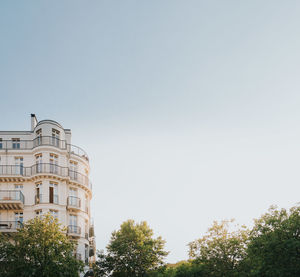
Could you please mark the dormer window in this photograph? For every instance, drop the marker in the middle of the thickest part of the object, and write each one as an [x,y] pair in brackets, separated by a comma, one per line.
[38,136]
[15,143]
[55,137]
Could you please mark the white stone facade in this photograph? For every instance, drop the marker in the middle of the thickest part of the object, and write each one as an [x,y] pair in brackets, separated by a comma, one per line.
[41,172]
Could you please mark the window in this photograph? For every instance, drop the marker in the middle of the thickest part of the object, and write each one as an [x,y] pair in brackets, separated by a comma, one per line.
[38,137]
[73,199]
[86,253]
[73,170]
[53,196]
[19,165]
[55,137]
[18,219]
[54,213]
[18,189]
[15,143]
[86,204]
[39,163]
[73,220]
[38,193]
[1,144]
[53,163]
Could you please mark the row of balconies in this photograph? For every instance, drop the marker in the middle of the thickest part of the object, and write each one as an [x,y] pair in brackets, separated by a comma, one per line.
[16,144]
[15,200]
[72,230]
[44,168]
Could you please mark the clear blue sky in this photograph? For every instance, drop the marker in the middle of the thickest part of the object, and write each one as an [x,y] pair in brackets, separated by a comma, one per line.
[189,110]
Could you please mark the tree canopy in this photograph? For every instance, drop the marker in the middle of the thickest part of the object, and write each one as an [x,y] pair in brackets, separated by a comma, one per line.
[220,250]
[274,247]
[131,252]
[40,249]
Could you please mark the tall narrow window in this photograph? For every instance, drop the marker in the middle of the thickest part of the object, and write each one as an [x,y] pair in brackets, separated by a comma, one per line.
[53,196]
[18,219]
[38,137]
[39,163]
[19,165]
[55,137]
[18,190]
[86,204]
[73,224]
[15,143]
[53,163]
[38,193]
[73,170]
[1,144]
[86,254]
[73,199]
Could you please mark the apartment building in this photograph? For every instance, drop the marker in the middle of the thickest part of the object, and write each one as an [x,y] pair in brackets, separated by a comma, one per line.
[40,172]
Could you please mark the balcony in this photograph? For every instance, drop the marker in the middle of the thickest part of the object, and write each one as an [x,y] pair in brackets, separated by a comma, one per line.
[11,200]
[42,169]
[44,141]
[42,199]
[74,230]
[73,203]
[10,226]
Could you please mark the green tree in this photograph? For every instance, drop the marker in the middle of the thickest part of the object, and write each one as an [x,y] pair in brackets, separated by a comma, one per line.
[220,252]
[274,247]
[131,252]
[39,249]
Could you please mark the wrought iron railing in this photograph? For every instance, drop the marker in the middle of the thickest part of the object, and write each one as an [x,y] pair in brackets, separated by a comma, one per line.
[43,141]
[11,195]
[74,229]
[41,199]
[10,225]
[74,201]
[41,168]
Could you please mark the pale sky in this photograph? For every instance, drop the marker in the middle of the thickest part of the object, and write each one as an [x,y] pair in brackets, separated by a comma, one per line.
[189,110]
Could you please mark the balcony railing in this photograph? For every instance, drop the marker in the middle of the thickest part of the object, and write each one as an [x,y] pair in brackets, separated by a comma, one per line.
[11,195]
[11,200]
[42,168]
[74,229]
[10,225]
[43,141]
[41,199]
[74,202]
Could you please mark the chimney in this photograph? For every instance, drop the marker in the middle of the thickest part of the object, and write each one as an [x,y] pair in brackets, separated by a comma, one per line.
[33,121]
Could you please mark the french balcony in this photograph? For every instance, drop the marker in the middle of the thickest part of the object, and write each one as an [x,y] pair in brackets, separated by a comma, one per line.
[74,230]
[43,141]
[42,199]
[11,200]
[10,226]
[73,203]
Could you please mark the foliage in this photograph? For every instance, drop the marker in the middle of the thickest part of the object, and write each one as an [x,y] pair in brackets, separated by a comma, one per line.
[39,249]
[274,248]
[221,251]
[132,251]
